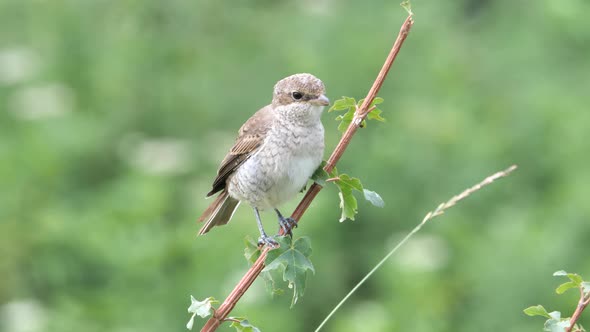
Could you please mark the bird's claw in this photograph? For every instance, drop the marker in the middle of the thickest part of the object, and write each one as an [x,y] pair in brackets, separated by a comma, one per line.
[287,225]
[268,241]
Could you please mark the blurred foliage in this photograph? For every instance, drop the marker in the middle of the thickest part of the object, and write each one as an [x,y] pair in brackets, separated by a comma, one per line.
[555,321]
[115,114]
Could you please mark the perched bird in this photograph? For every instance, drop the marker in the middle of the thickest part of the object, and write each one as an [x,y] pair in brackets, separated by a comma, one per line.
[276,152]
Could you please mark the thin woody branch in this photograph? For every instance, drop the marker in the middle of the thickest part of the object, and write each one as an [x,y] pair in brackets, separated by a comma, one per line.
[582,304]
[361,113]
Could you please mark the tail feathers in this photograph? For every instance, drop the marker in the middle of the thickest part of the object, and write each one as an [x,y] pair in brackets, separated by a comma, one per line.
[219,212]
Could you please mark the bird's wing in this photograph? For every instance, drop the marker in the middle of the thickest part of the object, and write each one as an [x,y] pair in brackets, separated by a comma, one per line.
[250,138]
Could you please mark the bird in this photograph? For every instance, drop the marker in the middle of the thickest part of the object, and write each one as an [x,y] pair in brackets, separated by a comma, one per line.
[275,153]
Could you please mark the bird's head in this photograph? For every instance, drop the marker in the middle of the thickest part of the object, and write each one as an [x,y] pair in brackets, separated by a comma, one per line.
[301,96]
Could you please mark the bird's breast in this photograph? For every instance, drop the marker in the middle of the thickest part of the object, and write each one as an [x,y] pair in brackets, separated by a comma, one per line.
[301,151]
[281,167]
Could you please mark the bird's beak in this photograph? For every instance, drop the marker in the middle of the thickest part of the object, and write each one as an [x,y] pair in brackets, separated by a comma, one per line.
[321,101]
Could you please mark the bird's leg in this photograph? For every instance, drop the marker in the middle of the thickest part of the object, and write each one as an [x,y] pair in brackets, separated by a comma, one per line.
[287,224]
[264,239]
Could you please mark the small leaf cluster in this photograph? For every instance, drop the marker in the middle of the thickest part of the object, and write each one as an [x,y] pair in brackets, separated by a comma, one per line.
[407,6]
[291,260]
[554,322]
[346,186]
[242,325]
[201,308]
[204,308]
[252,252]
[350,105]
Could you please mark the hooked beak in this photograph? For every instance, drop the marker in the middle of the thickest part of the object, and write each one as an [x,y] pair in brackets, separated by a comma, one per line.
[321,101]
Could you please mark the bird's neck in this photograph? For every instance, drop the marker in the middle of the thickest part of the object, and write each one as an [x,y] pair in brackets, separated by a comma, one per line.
[304,115]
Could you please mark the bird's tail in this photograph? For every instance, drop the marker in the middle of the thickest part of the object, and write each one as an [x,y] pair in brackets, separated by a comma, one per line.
[219,212]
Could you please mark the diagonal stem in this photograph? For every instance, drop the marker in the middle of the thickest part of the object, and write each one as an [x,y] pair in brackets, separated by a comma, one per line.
[582,304]
[232,299]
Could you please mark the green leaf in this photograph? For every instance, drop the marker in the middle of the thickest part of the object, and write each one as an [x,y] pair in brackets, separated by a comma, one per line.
[537,310]
[200,308]
[351,101]
[343,104]
[374,198]
[271,285]
[555,323]
[574,277]
[345,120]
[348,104]
[377,101]
[303,245]
[586,287]
[346,180]
[348,204]
[565,286]
[243,325]
[407,6]
[293,260]
[375,115]
[320,176]
[555,315]
[251,252]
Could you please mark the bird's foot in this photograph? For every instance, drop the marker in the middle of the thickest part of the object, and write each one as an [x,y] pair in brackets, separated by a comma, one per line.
[265,240]
[287,225]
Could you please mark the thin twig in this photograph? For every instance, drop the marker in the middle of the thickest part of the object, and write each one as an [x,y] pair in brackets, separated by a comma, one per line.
[429,216]
[582,304]
[251,275]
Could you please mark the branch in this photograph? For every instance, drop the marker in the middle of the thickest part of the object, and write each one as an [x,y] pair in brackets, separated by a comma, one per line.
[361,113]
[582,304]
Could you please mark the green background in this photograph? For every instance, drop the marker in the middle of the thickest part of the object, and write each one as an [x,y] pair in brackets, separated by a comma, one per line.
[115,114]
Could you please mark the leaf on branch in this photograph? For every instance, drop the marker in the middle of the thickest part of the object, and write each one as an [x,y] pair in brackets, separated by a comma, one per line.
[242,325]
[576,281]
[251,252]
[407,6]
[575,278]
[342,104]
[346,181]
[200,308]
[348,203]
[374,198]
[537,310]
[350,105]
[555,323]
[565,286]
[375,115]
[292,258]
[345,119]
[320,175]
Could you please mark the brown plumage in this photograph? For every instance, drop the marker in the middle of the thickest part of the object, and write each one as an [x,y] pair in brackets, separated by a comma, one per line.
[274,155]
[250,137]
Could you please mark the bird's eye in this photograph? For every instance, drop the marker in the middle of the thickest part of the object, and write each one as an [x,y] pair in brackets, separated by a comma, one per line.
[297,95]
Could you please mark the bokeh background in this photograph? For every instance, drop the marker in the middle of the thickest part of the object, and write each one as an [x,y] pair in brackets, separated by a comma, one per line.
[115,114]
